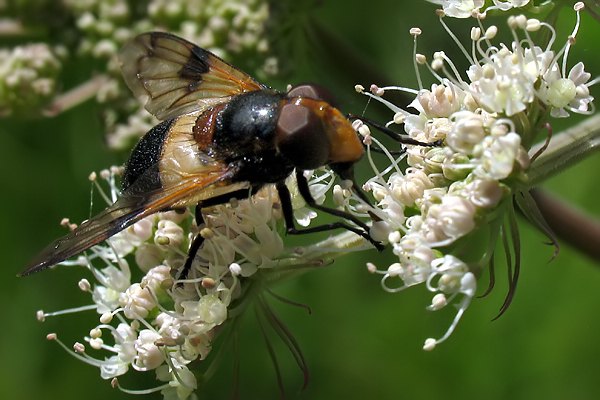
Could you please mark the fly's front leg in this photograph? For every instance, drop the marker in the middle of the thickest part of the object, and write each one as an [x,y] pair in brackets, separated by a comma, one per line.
[288,215]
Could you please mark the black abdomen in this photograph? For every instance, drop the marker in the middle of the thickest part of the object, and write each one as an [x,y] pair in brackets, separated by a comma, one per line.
[144,158]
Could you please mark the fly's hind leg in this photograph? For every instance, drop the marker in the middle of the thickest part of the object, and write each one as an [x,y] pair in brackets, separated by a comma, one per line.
[195,246]
[198,239]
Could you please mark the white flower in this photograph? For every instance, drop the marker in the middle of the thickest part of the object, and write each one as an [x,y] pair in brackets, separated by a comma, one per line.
[498,156]
[459,8]
[502,84]
[582,101]
[468,130]
[149,355]
[27,77]
[113,282]
[125,242]
[319,183]
[450,220]
[168,326]
[415,256]
[156,276]
[421,128]
[393,211]
[410,187]
[106,299]
[508,4]
[182,382]
[168,233]
[441,102]
[148,255]
[470,8]
[137,301]
[113,366]
[484,193]
[118,364]
[205,313]
[196,346]
[449,190]
[304,215]
[449,272]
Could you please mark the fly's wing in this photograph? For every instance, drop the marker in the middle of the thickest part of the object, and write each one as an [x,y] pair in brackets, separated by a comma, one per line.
[133,205]
[177,76]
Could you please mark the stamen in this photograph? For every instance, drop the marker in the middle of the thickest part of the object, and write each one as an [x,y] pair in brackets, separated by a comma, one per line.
[115,384]
[68,311]
[456,41]
[235,269]
[577,7]
[475,37]
[491,32]
[387,103]
[371,268]
[100,191]
[393,161]
[415,32]
[84,285]
[376,90]
[433,67]
[106,318]
[401,89]
[593,82]
[391,289]
[79,353]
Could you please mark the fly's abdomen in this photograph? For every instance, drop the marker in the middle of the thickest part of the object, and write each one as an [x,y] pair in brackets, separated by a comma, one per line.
[144,158]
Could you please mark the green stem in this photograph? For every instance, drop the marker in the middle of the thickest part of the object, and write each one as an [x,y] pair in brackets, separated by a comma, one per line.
[318,255]
[565,149]
[75,96]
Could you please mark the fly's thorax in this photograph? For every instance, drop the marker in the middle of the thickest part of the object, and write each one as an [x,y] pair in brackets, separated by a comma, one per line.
[246,125]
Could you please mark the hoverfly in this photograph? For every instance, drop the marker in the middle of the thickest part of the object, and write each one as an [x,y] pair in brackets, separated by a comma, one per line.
[223,135]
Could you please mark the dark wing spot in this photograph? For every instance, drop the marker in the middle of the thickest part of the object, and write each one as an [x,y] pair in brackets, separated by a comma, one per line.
[196,66]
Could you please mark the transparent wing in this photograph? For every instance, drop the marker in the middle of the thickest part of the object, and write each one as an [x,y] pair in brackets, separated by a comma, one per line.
[179,77]
[134,204]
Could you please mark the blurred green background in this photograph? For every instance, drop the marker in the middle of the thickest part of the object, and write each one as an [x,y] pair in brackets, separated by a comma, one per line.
[359,342]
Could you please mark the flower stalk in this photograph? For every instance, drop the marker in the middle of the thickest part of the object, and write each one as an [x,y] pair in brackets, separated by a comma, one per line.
[565,149]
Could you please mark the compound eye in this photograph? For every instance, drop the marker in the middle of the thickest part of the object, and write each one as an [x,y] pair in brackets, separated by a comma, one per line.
[301,137]
[312,91]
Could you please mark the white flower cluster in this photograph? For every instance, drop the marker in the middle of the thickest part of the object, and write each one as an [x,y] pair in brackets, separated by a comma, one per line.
[451,191]
[28,76]
[223,26]
[472,8]
[158,323]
